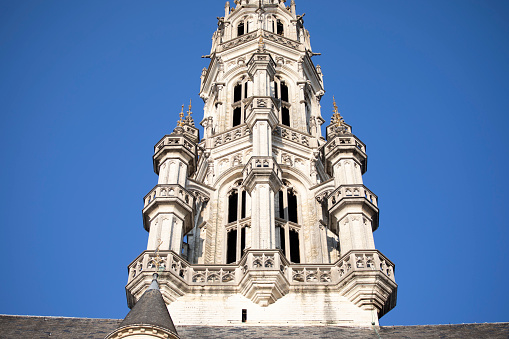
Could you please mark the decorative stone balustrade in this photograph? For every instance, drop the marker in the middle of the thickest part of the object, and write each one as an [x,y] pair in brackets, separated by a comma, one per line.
[262,260]
[168,192]
[281,39]
[263,276]
[262,163]
[173,140]
[292,135]
[239,40]
[351,192]
[345,141]
[254,35]
[231,135]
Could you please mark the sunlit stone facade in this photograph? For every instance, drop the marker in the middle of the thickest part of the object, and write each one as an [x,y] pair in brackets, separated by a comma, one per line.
[263,221]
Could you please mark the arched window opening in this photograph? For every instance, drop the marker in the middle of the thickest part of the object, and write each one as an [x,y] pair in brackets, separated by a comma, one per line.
[242,241]
[243,205]
[281,205]
[240,92]
[292,206]
[285,116]
[294,246]
[240,29]
[231,252]
[237,93]
[282,238]
[236,228]
[287,228]
[280,28]
[284,92]
[276,92]
[233,199]
[237,116]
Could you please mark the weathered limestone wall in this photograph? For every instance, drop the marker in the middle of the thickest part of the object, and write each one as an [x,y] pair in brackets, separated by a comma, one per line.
[293,309]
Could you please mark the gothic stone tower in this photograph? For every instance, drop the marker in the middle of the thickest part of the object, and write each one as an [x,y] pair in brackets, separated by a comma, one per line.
[263,221]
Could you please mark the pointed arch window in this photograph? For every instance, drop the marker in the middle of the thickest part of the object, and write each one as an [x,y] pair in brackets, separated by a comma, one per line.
[236,227]
[281,92]
[240,92]
[280,28]
[288,229]
[241,29]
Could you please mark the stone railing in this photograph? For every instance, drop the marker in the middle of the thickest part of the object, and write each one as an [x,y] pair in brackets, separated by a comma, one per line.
[239,40]
[346,140]
[231,135]
[173,140]
[161,192]
[292,135]
[264,260]
[351,191]
[265,163]
[281,39]
[353,261]
[168,262]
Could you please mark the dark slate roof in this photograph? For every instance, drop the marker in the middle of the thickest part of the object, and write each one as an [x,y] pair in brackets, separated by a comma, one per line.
[150,310]
[16,327]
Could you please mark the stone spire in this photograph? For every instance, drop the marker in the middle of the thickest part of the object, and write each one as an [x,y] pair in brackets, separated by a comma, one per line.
[149,317]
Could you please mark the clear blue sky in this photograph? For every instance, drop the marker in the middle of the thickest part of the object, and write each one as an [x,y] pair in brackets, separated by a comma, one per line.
[88,87]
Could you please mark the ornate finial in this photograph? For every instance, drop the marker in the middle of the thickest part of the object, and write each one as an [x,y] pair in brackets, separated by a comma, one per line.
[337,119]
[189,112]
[180,123]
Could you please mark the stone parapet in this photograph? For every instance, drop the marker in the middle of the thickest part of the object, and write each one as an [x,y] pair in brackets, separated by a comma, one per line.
[346,145]
[365,277]
[178,146]
[353,194]
[168,198]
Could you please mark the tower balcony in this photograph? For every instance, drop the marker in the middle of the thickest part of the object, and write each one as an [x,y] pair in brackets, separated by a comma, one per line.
[169,199]
[349,144]
[262,170]
[177,146]
[262,108]
[365,277]
[354,194]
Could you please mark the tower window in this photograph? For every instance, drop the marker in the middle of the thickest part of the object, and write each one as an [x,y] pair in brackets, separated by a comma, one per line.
[292,206]
[232,206]
[237,116]
[240,92]
[280,28]
[242,240]
[240,29]
[236,234]
[244,315]
[288,231]
[281,206]
[237,93]
[284,92]
[294,247]
[282,237]
[243,205]
[231,253]
[285,116]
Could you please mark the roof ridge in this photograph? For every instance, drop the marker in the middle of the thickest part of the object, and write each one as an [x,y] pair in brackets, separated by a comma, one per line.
[53,317]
